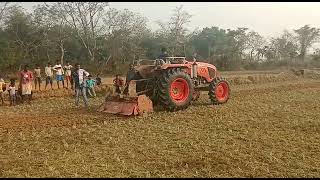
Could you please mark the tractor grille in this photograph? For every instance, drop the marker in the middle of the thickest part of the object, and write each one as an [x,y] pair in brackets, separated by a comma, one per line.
[212,72]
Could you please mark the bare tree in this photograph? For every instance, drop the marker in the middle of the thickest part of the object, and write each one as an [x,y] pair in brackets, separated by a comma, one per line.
[124,33]
[285,46]
[239,41]
[306,36]
[25,36]
[85,18]
[175,29]
[255,42]
[54,27]
[3,8]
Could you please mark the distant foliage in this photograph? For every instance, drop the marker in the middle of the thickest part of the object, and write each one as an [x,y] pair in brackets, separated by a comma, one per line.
[106,40]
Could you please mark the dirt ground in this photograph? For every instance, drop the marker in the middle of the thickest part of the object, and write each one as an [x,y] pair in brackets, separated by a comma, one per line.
[268,129]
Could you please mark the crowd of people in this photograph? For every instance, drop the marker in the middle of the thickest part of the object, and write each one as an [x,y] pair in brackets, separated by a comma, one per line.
[75,78]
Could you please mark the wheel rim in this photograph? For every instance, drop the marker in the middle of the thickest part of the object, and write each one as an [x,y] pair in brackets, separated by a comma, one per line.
[222,91]
[179,90]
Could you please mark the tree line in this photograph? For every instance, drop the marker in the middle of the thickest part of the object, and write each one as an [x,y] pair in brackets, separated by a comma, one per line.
[106,39]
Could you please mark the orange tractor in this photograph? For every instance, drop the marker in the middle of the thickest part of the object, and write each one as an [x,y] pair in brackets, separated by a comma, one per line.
[171,83]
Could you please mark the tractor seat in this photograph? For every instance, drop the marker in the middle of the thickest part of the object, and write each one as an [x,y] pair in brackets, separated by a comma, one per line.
[177,61]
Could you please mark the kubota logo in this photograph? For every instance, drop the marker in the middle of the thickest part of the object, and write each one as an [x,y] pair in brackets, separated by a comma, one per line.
[202,70]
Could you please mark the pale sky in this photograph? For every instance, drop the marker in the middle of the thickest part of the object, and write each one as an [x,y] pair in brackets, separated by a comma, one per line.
[267,18]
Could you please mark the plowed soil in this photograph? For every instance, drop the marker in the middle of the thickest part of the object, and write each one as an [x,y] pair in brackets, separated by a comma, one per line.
[266,129]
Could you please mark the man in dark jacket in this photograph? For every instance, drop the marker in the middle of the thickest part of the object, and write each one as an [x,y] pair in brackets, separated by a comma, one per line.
[78,76]
[163,54]
[130,76]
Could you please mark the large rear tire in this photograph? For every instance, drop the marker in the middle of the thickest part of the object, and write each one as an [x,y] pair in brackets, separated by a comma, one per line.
[219,91]
[148,85]
[174,89]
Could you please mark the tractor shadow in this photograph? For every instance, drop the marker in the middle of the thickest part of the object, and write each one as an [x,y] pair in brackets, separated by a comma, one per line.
[159,108]
[200,103]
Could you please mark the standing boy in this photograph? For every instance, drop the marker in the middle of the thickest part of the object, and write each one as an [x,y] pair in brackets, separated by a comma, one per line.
[90,86]
[98,80]
[37,73]
[118,83]
[130,76]
[59,74]
[67,69]
[49,74]
[12,92]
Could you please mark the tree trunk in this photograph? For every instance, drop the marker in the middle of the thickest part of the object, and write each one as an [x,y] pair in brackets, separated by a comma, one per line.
[134,57]
[106,63]
[303,54]
[38,55]
[62,53]
[32,56]
[48,56]
[251,55]
[258,56]
[91,54]
[209,51]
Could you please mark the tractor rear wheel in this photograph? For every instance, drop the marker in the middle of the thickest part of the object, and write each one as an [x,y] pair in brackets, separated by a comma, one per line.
[219,91]
[174,89]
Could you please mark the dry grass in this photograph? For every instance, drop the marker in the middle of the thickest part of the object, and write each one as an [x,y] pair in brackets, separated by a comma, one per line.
[261,78]
[265,130]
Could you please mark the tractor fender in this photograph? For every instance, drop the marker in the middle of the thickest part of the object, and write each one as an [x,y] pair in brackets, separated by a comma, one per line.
[183,66]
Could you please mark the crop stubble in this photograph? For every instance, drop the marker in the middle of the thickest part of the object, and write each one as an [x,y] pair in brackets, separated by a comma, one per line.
[265,130]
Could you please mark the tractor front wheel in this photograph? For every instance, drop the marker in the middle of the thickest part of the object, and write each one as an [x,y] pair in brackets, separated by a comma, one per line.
[219,91]
[175,89]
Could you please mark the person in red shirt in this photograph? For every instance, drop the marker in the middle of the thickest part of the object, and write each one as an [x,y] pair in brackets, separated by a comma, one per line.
[118,83]
[26,78]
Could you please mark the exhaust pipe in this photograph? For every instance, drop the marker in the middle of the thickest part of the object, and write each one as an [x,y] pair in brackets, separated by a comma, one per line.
[194,70]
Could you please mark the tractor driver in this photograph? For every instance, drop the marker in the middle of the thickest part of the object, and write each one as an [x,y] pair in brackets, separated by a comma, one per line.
[163,54]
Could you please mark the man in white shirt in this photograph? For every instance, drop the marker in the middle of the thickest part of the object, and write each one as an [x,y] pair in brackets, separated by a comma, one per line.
[49,73]
[68,68]
[80,84]
[59,73]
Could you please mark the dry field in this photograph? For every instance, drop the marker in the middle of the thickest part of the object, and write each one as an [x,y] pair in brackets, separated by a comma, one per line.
[270,127]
